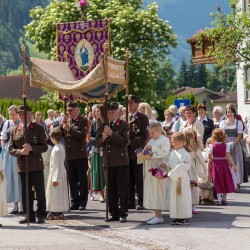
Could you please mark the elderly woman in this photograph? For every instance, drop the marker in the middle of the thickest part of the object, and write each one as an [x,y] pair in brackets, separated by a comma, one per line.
[234,131]
[51,118]
[218,116]
[168,123]
[182,118]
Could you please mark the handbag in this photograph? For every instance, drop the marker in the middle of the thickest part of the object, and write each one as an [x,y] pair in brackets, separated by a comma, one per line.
[206,185]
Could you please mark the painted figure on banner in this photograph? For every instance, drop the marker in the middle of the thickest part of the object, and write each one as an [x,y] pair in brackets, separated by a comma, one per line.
[84,55]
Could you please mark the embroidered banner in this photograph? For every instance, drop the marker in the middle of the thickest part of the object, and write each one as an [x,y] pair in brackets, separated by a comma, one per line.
[83,42]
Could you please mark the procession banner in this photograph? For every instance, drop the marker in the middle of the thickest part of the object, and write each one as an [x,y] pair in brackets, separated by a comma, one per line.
[83,43]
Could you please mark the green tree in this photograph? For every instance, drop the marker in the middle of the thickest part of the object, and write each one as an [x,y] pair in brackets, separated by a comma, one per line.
[141,31]
[201,76]
[192,75]
[165,79]
[182,77]
[228,35]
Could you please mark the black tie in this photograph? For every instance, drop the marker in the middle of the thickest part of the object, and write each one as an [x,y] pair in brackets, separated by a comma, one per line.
[131,117]
[111,124]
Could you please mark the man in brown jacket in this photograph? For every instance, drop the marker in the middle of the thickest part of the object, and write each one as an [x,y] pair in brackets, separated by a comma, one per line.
[75,129]
[138,123]
[33,149]
[116,160]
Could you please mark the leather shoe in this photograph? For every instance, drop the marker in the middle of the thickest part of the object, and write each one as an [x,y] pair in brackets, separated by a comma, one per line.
[81,208]
[123,219]
[24,221]
[74,207]
[112,218]
[140,207]
[40,220]
[131,206]
[13,212]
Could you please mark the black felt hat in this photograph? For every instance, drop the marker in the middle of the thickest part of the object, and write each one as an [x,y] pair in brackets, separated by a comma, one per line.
[72,105]
[22,108]
[133,98]
[113,106]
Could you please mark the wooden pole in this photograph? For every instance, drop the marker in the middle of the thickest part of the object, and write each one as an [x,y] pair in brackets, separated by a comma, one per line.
[25,133]
[106,48]
[127,81]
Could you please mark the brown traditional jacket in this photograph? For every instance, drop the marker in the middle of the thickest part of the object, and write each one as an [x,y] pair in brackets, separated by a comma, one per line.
[138,133]
[75,139]
[116,144]
[36,137]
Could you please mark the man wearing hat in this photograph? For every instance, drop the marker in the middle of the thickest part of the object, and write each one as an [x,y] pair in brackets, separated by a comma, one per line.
[138,123]
[115,137]
[32,149]
[75,129]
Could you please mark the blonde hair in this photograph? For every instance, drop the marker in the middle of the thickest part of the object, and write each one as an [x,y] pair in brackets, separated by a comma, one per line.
[191,143]
[169,112]
[148,109]
[157,126]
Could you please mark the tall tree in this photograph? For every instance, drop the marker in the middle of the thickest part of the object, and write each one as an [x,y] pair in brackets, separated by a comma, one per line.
[201,76]
[165,79]
[228,35]
[192,74]
[182,77]
[139,30]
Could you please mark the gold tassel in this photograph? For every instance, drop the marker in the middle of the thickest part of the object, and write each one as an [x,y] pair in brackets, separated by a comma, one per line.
[178,189]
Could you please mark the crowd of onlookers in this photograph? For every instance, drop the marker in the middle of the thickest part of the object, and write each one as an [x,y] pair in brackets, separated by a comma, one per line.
[187,149]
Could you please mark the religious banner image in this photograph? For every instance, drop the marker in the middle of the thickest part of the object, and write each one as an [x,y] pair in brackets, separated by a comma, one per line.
[83,43]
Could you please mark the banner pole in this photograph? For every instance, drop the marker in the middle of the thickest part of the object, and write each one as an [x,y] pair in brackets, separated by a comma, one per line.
[25,132]
[127,81]
[106,49]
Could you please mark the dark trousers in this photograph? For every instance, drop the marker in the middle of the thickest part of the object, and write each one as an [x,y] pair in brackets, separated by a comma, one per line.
[78,181]
[135,180]
[36,180]
[118,190]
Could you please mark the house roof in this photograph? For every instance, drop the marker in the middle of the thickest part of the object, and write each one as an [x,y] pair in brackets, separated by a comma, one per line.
[228,97]
[12,87]
[195,91]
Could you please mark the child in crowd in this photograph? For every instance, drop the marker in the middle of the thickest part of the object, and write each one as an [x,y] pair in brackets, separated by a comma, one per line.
[56,192]
[3,202]
[155,190]
[198,167]
[218,167]
[180,191]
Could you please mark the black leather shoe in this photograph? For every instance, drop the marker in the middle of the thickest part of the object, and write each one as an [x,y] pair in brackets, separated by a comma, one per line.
[13,212]
[140,207]
[123,219]
[131,206]
[74,207]
[40,220]
[81,208]
[112,218]
[24,221]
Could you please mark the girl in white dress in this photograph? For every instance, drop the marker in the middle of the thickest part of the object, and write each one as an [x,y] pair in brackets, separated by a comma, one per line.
[56,192]
[180,192]
[155,190]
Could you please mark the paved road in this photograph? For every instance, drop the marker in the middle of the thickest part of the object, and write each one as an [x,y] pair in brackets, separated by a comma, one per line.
[216,227]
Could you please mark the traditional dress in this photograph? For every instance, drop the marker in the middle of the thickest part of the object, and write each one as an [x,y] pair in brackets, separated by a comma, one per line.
[155,190]
[221,175]
[180,191]
[3,203]
[237,152]
[57,196]
[97,172]
[13,182]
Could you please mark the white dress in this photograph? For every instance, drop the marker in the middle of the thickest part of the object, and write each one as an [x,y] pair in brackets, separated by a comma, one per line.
[3,202]
[155,190]
[57,197]
[180,206]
